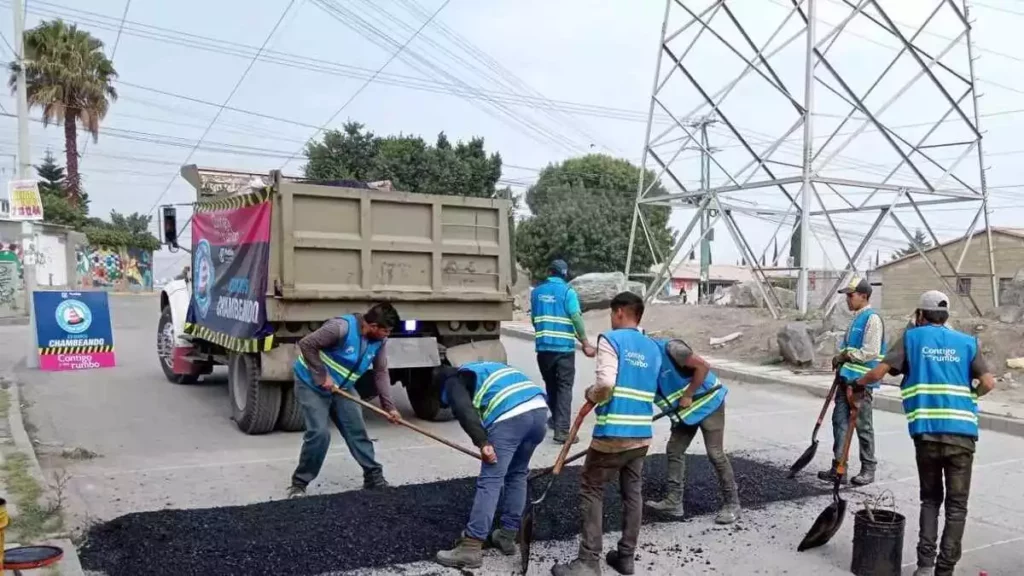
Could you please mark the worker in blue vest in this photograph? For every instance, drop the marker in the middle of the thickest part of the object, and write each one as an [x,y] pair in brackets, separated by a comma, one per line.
[861,350]
[685,375]
[504,413]
[558,325]
[337,355]
[940,399]
[628,364]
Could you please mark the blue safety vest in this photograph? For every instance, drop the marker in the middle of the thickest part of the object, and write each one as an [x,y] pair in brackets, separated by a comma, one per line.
[499,388]
[937,393]
[627,414]
[672,383]
[552,326]
[346,362]
[853,340]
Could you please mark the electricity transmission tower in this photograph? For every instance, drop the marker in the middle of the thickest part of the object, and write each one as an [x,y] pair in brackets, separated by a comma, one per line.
[868,106]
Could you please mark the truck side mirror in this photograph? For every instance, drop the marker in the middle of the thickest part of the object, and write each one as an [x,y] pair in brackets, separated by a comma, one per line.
[170,221]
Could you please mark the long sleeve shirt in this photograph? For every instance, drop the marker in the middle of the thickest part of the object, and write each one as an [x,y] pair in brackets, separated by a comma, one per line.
[332,334]
[572,309]
[871,346]
[604,383]
[461,388]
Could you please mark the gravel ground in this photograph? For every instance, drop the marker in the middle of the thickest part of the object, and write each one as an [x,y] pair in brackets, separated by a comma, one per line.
[354,530]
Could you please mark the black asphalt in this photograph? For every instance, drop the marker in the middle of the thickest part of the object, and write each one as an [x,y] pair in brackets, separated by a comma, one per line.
[359,529]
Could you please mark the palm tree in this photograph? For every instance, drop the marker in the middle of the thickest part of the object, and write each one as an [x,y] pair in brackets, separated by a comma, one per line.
[69,77]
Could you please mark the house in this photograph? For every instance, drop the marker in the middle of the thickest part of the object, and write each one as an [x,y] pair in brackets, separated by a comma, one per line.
[685,280]
[906,278]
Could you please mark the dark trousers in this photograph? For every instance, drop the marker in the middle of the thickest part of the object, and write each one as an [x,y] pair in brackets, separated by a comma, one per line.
[936,462]
[559,372]
[317,412]
[712,429]
[599,469]
[865,428]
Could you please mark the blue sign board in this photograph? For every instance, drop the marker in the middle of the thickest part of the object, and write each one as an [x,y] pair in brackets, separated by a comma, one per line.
[74,330]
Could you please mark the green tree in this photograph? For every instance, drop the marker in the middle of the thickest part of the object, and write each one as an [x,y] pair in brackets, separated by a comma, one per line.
[409,162]
[582,211]
[131,231]
[69,77]
[56,207]
[920,238]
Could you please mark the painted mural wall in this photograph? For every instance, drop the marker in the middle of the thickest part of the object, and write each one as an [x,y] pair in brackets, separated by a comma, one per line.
[113,268]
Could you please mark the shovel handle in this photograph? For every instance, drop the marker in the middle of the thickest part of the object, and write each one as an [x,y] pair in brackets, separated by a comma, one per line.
[824,408]
[560,462]
[841,465]
[408,425]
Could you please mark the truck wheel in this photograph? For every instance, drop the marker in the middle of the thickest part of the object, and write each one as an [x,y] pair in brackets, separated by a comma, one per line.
[425,397]
[165,349]
[255,405]
[290,419]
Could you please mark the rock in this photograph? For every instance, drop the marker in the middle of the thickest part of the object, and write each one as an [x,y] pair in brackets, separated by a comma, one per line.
[748,295]
[1015,363]
[1010,314]
[827,343]
[597,289]
[795,344]
[719,342]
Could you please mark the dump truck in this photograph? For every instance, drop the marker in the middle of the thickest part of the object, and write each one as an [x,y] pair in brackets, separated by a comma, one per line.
[273,258]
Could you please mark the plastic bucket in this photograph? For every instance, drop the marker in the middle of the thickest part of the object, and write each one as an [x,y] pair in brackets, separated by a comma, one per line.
[878,544]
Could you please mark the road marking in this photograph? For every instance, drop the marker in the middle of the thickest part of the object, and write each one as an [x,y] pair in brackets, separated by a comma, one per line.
[978,548]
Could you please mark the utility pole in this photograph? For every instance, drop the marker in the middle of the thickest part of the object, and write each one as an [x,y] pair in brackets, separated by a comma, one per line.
[28,264]
[806,189]
[707,236]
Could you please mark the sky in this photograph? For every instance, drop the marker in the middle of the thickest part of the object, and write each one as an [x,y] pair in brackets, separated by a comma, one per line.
[541,82]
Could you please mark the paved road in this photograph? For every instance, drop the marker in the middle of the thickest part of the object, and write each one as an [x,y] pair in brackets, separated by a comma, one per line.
[161,445]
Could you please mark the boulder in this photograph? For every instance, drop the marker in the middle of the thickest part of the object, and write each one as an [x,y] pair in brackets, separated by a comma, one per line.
[795,344]
[1009,314]
[748,295]
[597,289]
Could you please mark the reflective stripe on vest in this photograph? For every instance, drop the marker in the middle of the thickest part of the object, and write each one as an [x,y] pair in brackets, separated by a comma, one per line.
[627,414]
[853,340]
[937,393]
[553,328]
[672,385]
[499,388]
[344,363]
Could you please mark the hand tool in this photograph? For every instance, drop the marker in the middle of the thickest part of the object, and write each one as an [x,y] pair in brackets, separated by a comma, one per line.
[811,450]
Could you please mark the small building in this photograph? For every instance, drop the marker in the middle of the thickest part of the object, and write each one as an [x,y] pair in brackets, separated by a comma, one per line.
[906,278]
[685,282]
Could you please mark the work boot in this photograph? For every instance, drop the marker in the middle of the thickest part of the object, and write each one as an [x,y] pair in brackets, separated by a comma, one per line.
[577,567]
[671,505]
[466,554]
[561,436]
[730,511]
[375,481]
[504,540]
[866,476]
[830,474]
[296,491]
[621,563]
[924,571]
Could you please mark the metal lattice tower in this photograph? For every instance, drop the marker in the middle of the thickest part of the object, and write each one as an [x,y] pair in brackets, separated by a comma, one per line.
[852,109]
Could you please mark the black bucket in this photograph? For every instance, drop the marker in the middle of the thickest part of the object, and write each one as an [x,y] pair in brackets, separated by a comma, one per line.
[877,544]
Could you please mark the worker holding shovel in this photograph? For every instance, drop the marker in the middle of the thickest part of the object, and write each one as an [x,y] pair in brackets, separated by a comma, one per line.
[628,363]
[939,365]
[684,374]
[505,415]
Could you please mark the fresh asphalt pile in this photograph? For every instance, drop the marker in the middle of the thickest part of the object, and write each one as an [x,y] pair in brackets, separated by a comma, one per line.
[360,529]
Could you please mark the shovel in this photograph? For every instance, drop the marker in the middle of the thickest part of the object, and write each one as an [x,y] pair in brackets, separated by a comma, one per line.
[811,450]
[831,518]
[525,535]
[409,425]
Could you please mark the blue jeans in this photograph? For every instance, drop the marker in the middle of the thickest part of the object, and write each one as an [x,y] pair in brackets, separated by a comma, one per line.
[317,411]
[514,441]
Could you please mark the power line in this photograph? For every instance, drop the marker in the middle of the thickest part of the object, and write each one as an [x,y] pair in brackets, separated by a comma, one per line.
[120,27]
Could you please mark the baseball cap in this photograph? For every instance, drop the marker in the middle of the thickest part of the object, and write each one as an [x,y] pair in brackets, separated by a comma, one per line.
[559,266]
[933,301]
[857,285]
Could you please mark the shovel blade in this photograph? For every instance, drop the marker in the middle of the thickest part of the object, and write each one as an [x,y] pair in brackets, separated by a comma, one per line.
[804,459]
[825,526]
[525,537]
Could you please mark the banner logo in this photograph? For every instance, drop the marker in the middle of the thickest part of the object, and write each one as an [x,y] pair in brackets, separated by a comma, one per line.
[73,316]
[202,263]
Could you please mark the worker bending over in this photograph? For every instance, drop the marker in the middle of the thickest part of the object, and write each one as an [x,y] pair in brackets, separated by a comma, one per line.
[337,355]
[628,363]
[685,375]
[861,350]
[504,414]
[939,365]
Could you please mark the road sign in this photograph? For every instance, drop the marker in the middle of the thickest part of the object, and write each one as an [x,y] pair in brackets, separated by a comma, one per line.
[74,330]
[25,202]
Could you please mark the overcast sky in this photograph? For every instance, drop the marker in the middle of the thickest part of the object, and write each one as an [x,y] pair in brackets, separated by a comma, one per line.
[541,81]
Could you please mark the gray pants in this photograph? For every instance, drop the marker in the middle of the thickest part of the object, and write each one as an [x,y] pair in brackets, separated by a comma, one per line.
[712,429]
[317,412]
[937,462]
[864,426]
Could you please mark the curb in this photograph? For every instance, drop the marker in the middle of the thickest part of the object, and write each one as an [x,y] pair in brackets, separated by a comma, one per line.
[986,421]
[14,321]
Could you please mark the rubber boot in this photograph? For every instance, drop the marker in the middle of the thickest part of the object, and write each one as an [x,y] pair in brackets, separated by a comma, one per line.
[577,568]
[504,540]
[622,564]
[466,554]
[830,474]
[866,476]
[730,511]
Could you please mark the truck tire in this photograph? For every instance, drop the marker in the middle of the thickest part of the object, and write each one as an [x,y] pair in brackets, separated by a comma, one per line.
[425,397]
[255,405]
[290,419]
[165,349]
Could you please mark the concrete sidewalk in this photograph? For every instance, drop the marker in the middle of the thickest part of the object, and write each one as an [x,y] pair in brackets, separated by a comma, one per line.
[992,415]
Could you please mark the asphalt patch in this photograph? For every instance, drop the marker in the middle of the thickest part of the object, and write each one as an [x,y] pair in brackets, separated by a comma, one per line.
[361,529]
